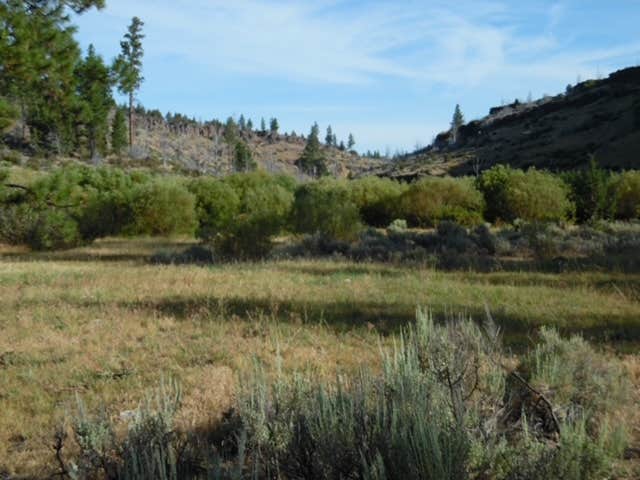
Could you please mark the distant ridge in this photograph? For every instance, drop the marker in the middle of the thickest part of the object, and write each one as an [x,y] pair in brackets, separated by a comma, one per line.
[595,117]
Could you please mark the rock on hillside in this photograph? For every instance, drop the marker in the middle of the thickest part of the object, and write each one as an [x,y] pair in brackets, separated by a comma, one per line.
[595,117]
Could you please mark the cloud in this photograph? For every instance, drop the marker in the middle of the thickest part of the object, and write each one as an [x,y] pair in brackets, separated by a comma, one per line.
[346,43]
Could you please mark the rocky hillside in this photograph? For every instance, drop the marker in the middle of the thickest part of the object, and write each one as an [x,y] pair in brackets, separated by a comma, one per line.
[182,145]
[595,117]
[189,146]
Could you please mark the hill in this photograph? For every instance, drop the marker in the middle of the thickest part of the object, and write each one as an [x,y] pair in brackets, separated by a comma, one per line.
[183,145]
[595,117]
[187,145]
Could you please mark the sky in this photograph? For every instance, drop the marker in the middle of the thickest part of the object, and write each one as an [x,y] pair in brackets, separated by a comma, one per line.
[388,71]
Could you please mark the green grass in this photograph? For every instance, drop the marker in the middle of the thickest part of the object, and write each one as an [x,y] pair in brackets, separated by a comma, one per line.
[103,322]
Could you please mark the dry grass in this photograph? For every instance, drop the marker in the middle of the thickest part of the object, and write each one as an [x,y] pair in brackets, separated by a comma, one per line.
[103,323]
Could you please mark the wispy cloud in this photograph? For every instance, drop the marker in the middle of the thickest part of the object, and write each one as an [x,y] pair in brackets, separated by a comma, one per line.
[317,41]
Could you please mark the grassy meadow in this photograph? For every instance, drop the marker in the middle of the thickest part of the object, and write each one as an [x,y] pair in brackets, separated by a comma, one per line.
[104,324]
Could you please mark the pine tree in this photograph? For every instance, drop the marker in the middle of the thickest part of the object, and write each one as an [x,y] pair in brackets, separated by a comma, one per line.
[274,126]
[329,137]
[243,158]
[242,123]
[230,131]
[94,90]
[351,142]
[313,162]
[38,55]
[128,67]
[250,125]
[456,122]
[119,132]
[342,146]
[263,126]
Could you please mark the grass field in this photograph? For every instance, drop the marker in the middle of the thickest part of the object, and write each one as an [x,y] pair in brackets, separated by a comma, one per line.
[103,323]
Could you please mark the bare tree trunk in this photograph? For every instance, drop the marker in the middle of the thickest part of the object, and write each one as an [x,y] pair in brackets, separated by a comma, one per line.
[131,118]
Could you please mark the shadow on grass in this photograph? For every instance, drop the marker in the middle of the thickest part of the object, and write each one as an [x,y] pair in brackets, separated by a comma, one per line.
[109,250]
[387,318]
[344,269]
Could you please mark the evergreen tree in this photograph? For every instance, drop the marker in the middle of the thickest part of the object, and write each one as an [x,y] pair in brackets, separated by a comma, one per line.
[250,125]
[119,132]
[342,146]
[274,126]
[94,89]
[589,189]
[243,158]
[128,67]
[456,122]
[313,162]
[242,123]
[263,126]
[329,137]
[38,55]
[351,142]
[230,131]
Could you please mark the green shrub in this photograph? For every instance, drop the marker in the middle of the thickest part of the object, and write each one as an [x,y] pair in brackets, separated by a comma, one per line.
[590,193]
[325,207]
[98,199]
[39,229]
[512,194]
[626,192]
[217,206]
[432,200]
[265,204]
[53,230]
[376,199]
[163,207]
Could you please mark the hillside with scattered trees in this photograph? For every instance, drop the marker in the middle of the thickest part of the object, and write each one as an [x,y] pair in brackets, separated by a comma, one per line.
[598,118]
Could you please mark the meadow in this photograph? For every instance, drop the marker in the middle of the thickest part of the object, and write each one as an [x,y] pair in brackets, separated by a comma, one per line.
[103,324]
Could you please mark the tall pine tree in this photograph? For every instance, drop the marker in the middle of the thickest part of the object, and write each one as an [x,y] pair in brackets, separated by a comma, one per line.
[456,122]
[313,162]
[94,89]
[128,67]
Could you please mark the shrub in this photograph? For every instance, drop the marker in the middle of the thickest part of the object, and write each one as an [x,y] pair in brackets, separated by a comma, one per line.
[432,200]
[589,193]
[263,211]
[325,207]
[580,379]
[376,199]
[149,450]
[54,230]
[163,207]
[626,193]
[217,205]
[512,194]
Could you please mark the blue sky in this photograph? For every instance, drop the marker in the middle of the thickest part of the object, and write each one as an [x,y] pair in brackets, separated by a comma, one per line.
[389,71]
